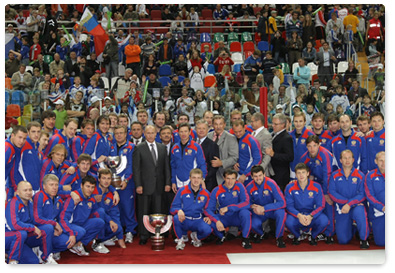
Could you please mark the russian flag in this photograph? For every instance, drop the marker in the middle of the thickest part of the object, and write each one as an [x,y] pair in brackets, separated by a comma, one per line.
[96,30]
[9,43]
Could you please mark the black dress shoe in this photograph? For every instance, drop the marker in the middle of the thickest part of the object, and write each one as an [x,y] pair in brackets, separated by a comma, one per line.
[143,241]
[280,243]
[313,241]
[295,241]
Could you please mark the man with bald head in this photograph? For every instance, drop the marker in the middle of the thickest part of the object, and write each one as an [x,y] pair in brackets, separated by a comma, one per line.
[151,171]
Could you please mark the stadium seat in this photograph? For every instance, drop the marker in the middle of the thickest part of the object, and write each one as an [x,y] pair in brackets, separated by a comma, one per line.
[248,46]
[287,78]
[7,98]
[113,80]
[13,110]
[121,70]
[48,59]
[257,9]
[205,29]
[247,54]
[209,80]
[164,70]
[205,37]
[106,83]
[218,29]
[29,68]
[235,47]
[18,97]
[27,114]
[8,84]
[181,79]
[165,81]
[237,58]
[317,45]
[313,68]
[145,24]
[216,45]
[207,14]
[263,46]
[219,36]
[236,68]
[156,15]
[294,66]
[342,67]
[246,37]
[285,68]
[202,47]
[232,37]
[257,38]
[211,69]
[71,81]
[313,78]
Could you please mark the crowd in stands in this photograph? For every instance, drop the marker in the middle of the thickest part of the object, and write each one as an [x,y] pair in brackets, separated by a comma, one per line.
[176,84]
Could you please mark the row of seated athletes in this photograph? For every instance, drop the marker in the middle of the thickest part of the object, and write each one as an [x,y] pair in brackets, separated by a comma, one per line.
[63,225]
[90,164]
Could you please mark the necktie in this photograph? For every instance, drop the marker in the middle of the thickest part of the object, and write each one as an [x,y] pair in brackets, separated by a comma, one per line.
[137,142]
[253,133]
[216,139]
[153,153]
[273,134]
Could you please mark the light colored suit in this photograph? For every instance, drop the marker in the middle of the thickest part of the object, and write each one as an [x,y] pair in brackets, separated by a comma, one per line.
[265,140]
[228,152]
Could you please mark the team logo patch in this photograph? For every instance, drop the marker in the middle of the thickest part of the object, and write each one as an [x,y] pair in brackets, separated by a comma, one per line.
[323,140]
[243,145]
[189,151]
[107,201]
[382,141]
[266,192]
[302,141]
[311,194]
[317,162]
[90,205]
[234,193]
[57,206]
[354,180]
[201,198]
[353,143]
[125,151]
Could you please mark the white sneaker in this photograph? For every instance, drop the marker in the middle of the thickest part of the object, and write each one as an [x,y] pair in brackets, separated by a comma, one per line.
[184,238]
[100,248]
[110,242]
[56,256]
[129,238]
[13,262]
[50,260]
[195,241]
[79,250]
[180,244]
[38,253]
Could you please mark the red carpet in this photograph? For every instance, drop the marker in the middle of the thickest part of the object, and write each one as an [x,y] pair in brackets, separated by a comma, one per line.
[209,253]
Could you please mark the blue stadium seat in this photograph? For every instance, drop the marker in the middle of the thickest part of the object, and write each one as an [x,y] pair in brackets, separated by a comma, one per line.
[165,81]
[181,79]
[211,69]
[263,46]
[18,97]
[164,70]
[236,68]
[71,81]
[7,98]
[205,37]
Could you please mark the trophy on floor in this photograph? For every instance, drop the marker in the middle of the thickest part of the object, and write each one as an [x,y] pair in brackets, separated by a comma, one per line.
[117,164]
[157,224]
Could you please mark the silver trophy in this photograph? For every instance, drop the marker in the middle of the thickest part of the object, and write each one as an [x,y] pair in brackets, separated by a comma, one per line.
[117,164]
[157,224]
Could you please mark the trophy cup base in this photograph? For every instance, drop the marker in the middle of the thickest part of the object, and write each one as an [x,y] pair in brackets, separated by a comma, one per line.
[157,243]
[116,184]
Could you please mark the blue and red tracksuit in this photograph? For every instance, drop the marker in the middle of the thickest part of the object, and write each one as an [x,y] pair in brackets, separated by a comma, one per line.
[97,146]
[183,161]
[19,217]
[238,203]
[16,248]
[375,194]
[46,211]
[77,146]
[326,138]
[268,195]
[309,201]
[108,212]
[81,219]
[193,207]
[249,155]
[74,180]
[375,142]
[321,168]
[357,146]
[128,195]
[12,159]
[176,137]
[248,129]
[30,164]
[299,145]
[349,190]
[59,138]
[50,167]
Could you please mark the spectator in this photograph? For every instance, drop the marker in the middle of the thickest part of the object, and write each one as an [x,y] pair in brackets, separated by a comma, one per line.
[295,47]
[21,80]
[151,66]
[222,60]
[111,59]
[294,25]
[220,13]
[165,52]
[221,47]
[279,49]
[132,52]
[56,64]
[309,52]
[308,30]
[302,73]
[13,63]
[325,60]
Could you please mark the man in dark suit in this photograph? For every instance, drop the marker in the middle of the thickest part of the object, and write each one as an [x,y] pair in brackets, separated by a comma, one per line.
[151,169]
[282,153]
[210,150]
[166,134]
[325,60]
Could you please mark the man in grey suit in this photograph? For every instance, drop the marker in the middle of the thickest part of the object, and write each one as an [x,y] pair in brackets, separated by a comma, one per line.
[325,60]
[228,147]
[265,140]
[151,170]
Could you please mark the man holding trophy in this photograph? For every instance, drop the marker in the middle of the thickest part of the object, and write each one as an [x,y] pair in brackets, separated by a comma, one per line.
[120,163]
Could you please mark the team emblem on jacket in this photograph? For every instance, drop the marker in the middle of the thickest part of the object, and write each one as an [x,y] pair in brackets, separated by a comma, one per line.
[243,145]
[353,143]
[57,206]
[189,151]
[234,193]
[302,141]
[323,140]
[382,142]
[317,162]
[107,201]
[201,198]
[90,205]
[266,192]
[354,180]
[311,194]
[125,151]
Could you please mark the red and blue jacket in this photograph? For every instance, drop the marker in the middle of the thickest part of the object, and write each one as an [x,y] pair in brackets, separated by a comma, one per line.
[126,153]
[299,146]
[186,201]
[249,154]
[347,190]
[19,216]
[77,146]
[235,198]
[182,162]
[357,146]
[50,167]
[248,129]
[77,214]
[107,204]
[97,146]
[375,142]
[45,209]
[74,180]
[268,195]
[320,167]
[59,138]
[30,164]
[176,136]
[375,192]
[326,138]
[308,201]
[12,159]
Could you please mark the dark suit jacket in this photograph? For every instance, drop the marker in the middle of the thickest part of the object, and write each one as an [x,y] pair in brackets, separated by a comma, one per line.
[283,156]
[319,60]
[45,67]
[210,149]
[152,177]
[69,67]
